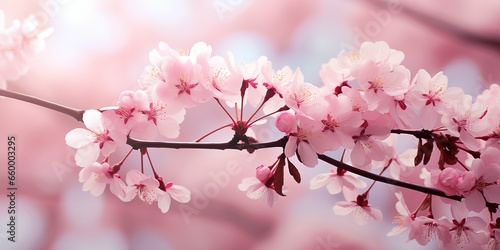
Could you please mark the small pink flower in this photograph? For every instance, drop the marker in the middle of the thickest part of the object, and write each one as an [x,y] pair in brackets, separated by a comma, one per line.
[454,182]
[96,177]
[486,171]
[357,205]
[423,229]
[149,189]
[17,43]
[93,140]
[466,230]
[336,181]
[404,218]
[466,120]
[369,146]
[255,187]
[178,193]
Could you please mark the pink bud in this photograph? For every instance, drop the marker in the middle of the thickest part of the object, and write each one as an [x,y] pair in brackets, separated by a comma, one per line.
[262,173]
[447,181]
[285,122]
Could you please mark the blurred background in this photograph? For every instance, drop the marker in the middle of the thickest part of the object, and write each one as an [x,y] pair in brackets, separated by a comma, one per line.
[99,48]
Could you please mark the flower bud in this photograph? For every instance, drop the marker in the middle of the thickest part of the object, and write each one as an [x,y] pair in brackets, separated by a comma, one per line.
[262,173]
[285,122]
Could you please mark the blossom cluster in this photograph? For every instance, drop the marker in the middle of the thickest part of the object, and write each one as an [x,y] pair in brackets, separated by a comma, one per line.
[367,100]
[18,42]
[367,96]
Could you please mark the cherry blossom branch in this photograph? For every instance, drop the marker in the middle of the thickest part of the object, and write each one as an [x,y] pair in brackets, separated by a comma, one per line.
[387,180]
[138,144]
[422,134]
[280,143]
[75,113]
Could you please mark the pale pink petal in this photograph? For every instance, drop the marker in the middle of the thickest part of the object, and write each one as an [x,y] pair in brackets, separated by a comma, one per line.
[334,187]
[168,127]
[164,202]
[470,141]
[492,193]
[87,155]
[93,120]
[79,137]
[134,177]
[319,181]
[291,146]
[475,201]
[179,193]
[246,183]
[307,154]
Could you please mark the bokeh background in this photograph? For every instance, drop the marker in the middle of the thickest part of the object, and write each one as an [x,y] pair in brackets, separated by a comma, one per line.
[99,48]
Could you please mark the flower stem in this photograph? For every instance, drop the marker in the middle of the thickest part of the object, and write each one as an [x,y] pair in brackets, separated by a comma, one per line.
[225,110]
[211,132]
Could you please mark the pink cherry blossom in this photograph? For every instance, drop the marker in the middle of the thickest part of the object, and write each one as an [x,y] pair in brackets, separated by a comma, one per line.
[96,177]
[423,229]
[94,140]
[149,189]
[180,79]
[357,205]
[255,187]
[404,218]
[301,96]
[381,83]
[336,181]
[252,84]
[224,84]
[17,43]
[306,139]
[466,231]
[368,145]
[339,123]
[159,117]
[494,235]
[486,171]
[433,97]
[146,187]
[377,52]
[178,193]
[465,120]
[453,182]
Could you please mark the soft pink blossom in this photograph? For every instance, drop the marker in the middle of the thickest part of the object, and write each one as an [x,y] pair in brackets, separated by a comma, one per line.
[465,120]
[149,190]
[466,231]
[357,205]
[423,229]
[94,140]
[336,181]
[255,187]
[96,177]
[404,218]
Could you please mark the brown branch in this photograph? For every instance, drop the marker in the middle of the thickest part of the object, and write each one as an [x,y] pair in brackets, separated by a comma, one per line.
[387,180]
[75,113]
[138,144]
[233,144]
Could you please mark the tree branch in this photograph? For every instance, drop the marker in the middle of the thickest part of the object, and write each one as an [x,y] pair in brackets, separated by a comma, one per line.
[138,144]
[75,113]
[280,143]
[387,180]
[423,134]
